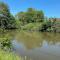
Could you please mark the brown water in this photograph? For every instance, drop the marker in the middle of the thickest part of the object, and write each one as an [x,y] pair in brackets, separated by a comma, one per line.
[36,45]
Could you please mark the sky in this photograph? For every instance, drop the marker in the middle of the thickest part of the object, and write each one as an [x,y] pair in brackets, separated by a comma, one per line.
[51,8]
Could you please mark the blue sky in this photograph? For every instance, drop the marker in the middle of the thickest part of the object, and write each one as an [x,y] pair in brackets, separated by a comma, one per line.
[51,8]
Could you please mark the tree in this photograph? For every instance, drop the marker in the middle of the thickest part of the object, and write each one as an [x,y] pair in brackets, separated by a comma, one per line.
[21,17]
[6,19]
[40,16]
[30,16]
[4,9]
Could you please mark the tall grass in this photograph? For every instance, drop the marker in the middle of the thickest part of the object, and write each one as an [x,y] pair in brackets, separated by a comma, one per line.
[8,56]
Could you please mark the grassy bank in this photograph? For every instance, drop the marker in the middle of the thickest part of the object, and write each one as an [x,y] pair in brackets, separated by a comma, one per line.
[8,56]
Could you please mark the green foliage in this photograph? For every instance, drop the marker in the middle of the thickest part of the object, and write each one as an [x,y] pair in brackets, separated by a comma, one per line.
[30,16]
[5,44]
[8,56]
[6,19]
[32,26]
[46,25]
[5,41]
[31,19]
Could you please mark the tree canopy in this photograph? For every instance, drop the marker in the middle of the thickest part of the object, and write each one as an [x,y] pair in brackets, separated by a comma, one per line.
[31,15]
[6,19]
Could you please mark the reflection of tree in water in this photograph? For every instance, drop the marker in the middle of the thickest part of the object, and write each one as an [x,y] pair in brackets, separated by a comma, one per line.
[34,39]
[52,38]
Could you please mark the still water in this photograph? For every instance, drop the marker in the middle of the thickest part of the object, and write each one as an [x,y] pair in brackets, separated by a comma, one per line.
[36,45]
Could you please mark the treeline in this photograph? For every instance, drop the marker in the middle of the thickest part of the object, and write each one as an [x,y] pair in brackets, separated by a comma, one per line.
[32,20]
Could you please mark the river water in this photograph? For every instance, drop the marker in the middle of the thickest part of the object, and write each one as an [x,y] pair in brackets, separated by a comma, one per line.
[36,45]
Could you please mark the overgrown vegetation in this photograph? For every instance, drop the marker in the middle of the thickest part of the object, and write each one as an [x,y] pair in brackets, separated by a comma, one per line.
[31,19]
[7,21]
[8,56]
[6,48]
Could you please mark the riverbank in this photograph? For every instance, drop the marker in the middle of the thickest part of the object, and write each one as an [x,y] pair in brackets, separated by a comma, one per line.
[4,55]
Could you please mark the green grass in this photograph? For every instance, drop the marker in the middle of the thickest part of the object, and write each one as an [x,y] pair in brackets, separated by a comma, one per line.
[8,56]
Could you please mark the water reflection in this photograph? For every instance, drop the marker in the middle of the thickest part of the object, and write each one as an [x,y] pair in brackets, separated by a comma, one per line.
[35,45]
[38,46]
[35,39]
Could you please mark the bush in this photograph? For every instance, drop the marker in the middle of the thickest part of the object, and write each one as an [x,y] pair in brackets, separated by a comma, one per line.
[32,26]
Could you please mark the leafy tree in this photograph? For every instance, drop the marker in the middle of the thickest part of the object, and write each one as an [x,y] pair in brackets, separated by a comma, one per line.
[30,16]
[6,19]
[21,17]
[38,16]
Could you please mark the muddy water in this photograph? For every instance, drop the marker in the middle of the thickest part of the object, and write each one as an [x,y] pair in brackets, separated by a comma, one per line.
[37,46]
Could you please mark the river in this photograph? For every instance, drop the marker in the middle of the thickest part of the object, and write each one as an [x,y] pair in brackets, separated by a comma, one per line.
[36,45]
